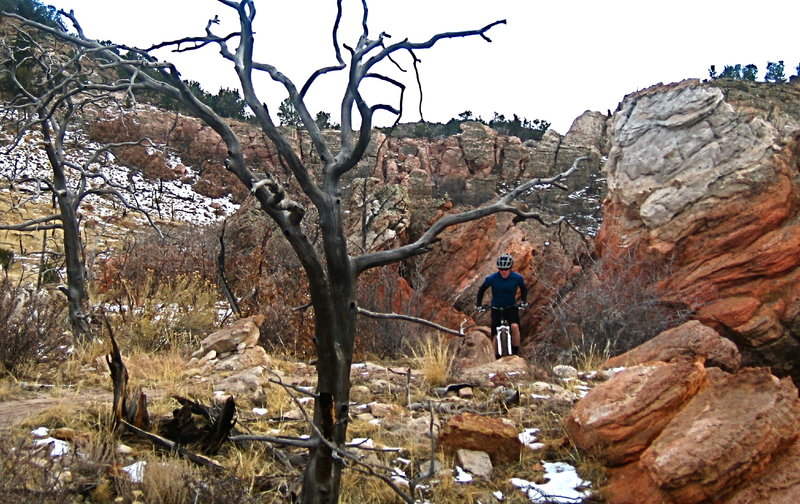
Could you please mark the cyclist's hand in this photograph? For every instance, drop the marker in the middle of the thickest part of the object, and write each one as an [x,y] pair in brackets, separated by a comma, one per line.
[480,308]
[523,305]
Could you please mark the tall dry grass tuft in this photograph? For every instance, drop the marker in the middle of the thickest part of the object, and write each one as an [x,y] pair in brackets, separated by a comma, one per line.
[434,360]
[164,481]
[159,315]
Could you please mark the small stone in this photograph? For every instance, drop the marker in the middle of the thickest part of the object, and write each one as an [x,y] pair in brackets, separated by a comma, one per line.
[433,466]
[466,393]
[360,393]
[380,410]
[476,462]
[365,417]
[123,449]
[211,355]
[563,371]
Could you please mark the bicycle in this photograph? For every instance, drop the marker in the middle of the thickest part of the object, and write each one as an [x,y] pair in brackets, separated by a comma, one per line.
[503,331]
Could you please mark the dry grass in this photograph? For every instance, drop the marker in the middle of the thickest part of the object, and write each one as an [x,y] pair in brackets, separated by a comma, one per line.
[434,360]
[160,314]
[164,481]
[590,356]
[27,245]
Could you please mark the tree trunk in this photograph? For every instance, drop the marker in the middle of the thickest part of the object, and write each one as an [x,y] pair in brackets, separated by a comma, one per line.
[335,335]
[76,291]
[323,474]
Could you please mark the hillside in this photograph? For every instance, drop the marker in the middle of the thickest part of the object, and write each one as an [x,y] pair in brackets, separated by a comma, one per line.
[250,292]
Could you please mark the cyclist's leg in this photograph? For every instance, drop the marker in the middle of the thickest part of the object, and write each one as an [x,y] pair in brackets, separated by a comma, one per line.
[512,315]
[496,317]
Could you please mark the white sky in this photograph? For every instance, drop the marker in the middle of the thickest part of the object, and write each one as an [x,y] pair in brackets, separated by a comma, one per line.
[553,60]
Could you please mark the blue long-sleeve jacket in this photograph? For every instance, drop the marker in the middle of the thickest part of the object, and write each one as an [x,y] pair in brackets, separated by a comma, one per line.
[504,290]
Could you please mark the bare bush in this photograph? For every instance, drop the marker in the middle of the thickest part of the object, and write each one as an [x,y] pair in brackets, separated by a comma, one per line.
[163,292]
[386,290]
[32,474]
[148,260]
[174,313]
[381,291]
[616,304]
[32,327]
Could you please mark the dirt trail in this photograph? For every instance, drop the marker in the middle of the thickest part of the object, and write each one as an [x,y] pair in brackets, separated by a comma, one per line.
[14,411]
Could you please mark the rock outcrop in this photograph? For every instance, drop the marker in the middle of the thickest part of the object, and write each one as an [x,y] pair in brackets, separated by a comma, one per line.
[405,184]
[619,419]
[704,177]
[691,339]
[678,432]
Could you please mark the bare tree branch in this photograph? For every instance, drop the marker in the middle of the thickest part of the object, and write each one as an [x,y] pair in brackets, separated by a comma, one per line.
[33,224]
[424,242]
[409,318]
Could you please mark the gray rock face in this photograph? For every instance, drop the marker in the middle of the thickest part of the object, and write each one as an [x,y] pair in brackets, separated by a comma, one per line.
[670,149]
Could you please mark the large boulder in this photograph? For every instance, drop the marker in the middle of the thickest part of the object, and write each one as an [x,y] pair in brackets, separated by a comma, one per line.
[779,485]
[704,177]
[692,339]
[734,441]
[729,434]
[619,418]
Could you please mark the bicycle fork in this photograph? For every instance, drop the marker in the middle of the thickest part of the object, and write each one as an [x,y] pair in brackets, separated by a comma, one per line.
[503,350]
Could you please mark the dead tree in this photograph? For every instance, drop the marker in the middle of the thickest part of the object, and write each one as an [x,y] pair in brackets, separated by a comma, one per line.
[52,92]
[332,272]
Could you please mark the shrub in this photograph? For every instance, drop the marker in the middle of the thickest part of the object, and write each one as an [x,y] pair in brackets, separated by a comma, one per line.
[616,304]
[32,476]
[162,292]
[32,326]
[379,291]
[147,260]
[173,313]
[6,258]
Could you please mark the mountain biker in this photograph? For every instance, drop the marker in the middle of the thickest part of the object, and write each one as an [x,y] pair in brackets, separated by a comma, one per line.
[504,284]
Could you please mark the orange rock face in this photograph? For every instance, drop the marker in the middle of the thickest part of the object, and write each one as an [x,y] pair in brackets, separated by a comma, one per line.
[705,177]
[726,435]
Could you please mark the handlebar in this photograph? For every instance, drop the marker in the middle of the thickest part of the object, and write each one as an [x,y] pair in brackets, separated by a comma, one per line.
[484,308]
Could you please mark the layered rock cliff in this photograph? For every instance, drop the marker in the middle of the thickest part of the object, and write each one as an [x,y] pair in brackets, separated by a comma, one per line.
[704,176]
[395,193]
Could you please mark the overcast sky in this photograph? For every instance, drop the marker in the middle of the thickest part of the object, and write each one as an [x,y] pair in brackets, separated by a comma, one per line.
[553,60]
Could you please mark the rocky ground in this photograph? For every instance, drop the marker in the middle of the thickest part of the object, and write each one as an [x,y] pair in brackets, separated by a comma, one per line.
[494,427]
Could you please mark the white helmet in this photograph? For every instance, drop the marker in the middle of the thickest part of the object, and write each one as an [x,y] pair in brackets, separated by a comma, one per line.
[505,261]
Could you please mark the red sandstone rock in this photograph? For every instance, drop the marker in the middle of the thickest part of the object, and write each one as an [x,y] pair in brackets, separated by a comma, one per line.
[629,484]
[472,350]
[727,435]
[619,418]
[480,433]
[779,484]
[692,339]
[705,176]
